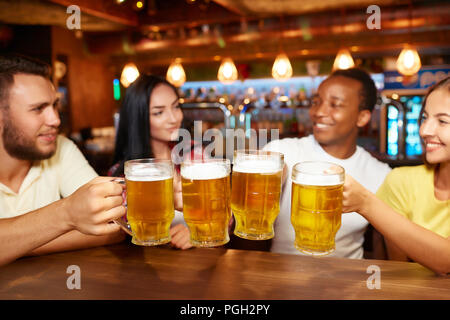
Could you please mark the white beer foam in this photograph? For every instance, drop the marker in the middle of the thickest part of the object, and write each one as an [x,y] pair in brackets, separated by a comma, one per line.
[204,171]
[143,172]
[146,178]
[257,166]
[317,180]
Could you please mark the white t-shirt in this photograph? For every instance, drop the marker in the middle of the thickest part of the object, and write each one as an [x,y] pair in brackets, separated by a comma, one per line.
[364,168]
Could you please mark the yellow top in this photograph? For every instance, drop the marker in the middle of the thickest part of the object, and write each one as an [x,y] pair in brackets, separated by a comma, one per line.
[410,192]
[47,181]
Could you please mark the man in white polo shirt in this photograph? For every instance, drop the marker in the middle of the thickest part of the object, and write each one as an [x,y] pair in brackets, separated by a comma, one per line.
[342,105]
[38,167]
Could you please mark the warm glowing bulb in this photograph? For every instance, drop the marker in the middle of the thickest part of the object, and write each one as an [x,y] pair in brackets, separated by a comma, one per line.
[129,74]
[282,68]
[227,71]
[343,60]
[409,59]
[175,74]
[139,4]
[408,62]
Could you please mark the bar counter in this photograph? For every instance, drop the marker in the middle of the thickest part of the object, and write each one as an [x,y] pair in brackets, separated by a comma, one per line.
[126,271]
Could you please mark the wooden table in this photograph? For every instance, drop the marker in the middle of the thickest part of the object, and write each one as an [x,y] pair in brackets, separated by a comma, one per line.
[126,271]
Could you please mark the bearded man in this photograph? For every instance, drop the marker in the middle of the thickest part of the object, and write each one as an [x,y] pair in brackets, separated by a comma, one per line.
[50,197]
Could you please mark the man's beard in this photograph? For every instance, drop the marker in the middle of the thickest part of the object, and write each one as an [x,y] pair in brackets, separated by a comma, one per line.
[20,147]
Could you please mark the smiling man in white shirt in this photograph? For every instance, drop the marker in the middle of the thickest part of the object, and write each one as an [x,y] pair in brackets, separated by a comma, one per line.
[342,105]
[50,197]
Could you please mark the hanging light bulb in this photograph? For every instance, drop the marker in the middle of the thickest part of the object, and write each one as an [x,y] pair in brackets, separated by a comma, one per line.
[282,69]
[138,5]
[408,62]
[227,71]
[343,60]
[175,74]
[129,73]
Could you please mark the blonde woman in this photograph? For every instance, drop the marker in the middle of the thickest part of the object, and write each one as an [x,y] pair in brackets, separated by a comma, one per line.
[412,207]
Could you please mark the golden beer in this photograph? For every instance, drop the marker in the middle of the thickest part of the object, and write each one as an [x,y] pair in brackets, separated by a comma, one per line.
[206,201]
[255,193]
[150,208]
[316,206]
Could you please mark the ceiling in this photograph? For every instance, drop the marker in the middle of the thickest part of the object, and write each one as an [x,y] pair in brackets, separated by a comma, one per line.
[203,30]
[105,15]
[267,8]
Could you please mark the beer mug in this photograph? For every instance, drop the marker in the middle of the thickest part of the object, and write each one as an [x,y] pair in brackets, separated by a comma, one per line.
[255,192]
[150,208]
[316,206]
[206,200]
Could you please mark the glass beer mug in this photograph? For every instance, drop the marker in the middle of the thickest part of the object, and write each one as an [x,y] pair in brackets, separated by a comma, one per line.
[316,206]
[150,208]
[255,192]
[206,200]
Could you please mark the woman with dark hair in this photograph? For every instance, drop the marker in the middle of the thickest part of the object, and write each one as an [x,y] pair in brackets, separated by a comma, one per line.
[412,207]
[149,121]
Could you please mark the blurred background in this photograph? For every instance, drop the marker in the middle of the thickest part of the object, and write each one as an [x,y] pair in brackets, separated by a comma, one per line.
[237,63]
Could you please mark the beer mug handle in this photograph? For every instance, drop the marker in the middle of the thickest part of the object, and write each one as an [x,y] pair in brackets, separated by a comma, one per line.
[122,222]
[124,225]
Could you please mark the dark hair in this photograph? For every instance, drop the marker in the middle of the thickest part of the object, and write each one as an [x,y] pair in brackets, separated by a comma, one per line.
[368,92]
[133,134]
[12,64]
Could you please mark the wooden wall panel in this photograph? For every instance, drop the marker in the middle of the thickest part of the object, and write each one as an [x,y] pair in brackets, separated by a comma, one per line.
[90,81]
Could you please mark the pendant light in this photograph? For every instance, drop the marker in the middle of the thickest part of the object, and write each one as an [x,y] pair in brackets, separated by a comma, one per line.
[343,60]
[129,73]
[408,62]
[175,74]
[282,69]
[227,71]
